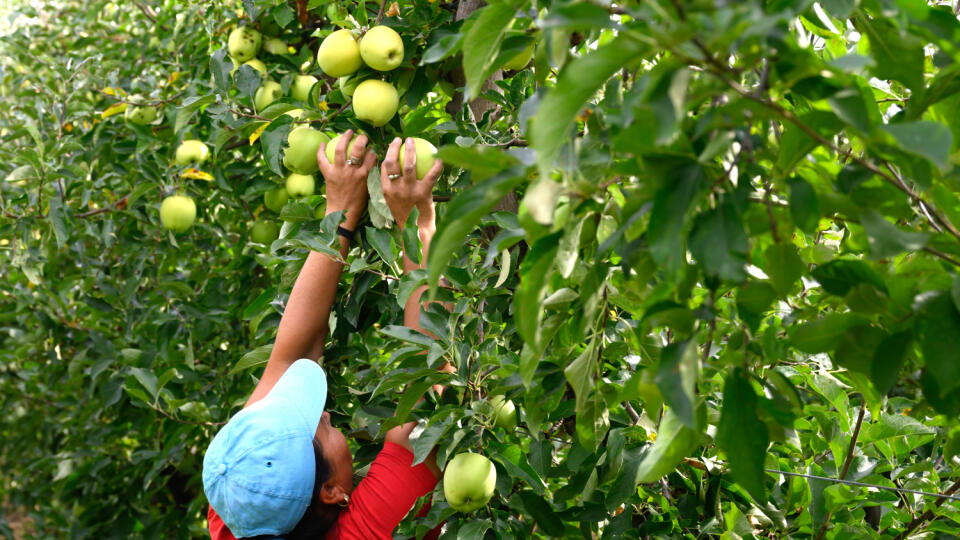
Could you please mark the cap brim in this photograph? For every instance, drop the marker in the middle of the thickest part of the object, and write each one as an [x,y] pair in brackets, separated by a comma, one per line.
[304,384]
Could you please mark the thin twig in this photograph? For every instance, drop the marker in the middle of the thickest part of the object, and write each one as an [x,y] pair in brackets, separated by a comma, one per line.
[118,205]
[383,7]
[148,11]
[948,494]
[845,468]
[928,514]
[335,114]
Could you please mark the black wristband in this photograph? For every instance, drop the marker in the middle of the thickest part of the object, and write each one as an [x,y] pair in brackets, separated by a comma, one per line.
[346,233]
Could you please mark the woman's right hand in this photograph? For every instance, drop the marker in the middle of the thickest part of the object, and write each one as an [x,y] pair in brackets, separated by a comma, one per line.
[404,192]
[347,182]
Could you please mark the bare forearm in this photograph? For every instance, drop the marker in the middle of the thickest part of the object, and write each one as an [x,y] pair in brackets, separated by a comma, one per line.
[411,310]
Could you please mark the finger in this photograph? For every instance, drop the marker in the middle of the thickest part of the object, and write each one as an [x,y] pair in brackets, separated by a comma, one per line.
[368,162]
[340,152]
[391,165]
[358,148]
[409,160]
[433,174]
[325,166]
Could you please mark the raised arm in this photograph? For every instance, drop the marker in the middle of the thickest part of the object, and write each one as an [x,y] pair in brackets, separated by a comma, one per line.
[403,194]
[304,326]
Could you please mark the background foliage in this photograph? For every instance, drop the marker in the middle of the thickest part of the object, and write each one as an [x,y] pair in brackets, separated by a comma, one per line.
[735,252]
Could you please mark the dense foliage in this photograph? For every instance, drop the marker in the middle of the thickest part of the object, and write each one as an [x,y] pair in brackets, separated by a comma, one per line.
[735,253]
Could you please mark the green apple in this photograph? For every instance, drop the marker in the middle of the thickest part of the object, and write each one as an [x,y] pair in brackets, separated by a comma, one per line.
[137,113]
[339,54]
[275,46]
[321,211]
[268,92]
[521,60]
[258,65]
[177,213]
[243,43]
[191,151]
[294,113]
[381,48]
[275,199]
[332,147]
[375,101]
[302,84]
[426,153]
[301,155]
[504,413]
[469,481]
[264,232]
[300,185]
[348,85]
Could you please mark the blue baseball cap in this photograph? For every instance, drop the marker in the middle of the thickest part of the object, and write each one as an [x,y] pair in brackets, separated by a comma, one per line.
[259,470]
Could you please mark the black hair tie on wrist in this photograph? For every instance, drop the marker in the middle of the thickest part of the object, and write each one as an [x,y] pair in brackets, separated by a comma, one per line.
[346,233]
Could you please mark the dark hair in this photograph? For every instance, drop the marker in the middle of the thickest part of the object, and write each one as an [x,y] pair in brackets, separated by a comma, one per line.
[312,525]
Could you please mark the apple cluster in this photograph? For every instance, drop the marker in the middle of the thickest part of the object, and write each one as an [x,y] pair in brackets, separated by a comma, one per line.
[341,55]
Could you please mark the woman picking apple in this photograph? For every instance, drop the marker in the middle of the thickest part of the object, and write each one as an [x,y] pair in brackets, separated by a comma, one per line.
[278,467]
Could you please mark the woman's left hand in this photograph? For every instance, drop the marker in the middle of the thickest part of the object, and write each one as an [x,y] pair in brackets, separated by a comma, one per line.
[347,181]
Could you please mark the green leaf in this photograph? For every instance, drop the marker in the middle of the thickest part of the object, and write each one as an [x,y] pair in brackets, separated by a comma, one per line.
[677,379]
[822,335]
[742,435]
[474,529]
[930,140]
[796,143]
[577,16]
[482,161]
[886,239]
[442,45]
[898,56]
[938,332]
[839,276]
[753,300]
[411,238]
[675,441]
[784,266]
[545,516]
[406,334]
[465,212]
[857,347]
[220,66]
[665,232]
[481,43]
[804,207]
[148,379]
[273,140]
[719,243]
[424,438]
[581,374]
[528,297]
[247,80]
[382,242]
[255,358]
[578,81]
[888,359]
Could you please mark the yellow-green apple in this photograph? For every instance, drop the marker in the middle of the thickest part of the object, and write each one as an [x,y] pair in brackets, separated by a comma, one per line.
[381,48]
[426,153]
[178,212]
[301,155]
[504,413]
[264,232]
[521,60]
[243,43]
[275,199]
[469,481]
[348,85]
[275,46]
[258,65]
[300,185]
[332,147]
[191,151]
[138,113]
[339,54]
[301,87]
[375,102]
[294,113]
[268,92]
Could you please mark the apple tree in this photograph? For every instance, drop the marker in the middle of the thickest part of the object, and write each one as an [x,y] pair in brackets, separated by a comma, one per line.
[700,258]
